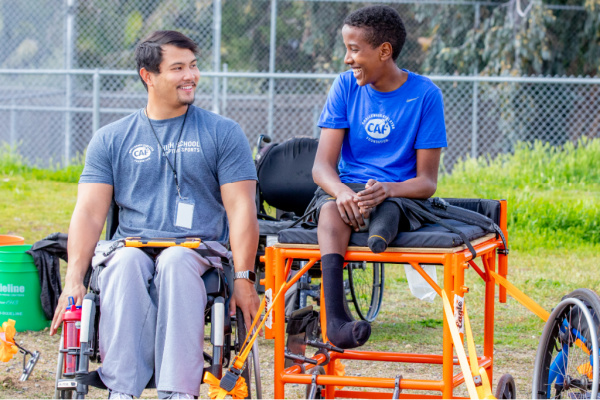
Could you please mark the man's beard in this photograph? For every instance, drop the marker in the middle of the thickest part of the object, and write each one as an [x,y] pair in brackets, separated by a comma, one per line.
[185,102]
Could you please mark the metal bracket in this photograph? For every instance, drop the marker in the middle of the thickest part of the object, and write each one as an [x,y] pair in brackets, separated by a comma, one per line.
[313,385]
[397,390]
[477,380]
[503,251]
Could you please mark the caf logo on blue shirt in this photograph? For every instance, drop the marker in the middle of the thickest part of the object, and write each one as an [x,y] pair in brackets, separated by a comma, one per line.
[141,152]
[378,126]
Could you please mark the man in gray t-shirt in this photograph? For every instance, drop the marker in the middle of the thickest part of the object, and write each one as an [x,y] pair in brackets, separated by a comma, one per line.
[174,170]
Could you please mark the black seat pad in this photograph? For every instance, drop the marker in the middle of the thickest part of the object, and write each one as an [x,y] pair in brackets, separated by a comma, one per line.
[430,235]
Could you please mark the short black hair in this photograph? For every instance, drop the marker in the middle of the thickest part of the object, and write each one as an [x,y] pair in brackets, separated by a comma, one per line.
[148,53]
[381,24]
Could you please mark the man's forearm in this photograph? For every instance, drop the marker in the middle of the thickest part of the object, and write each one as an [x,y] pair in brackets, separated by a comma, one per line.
[244,241]
[83,236]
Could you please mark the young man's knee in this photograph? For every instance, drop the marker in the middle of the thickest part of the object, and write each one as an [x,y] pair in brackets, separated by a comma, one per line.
[330,218]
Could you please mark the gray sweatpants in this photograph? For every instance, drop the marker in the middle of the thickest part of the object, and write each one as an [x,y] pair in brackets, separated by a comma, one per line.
[152,319]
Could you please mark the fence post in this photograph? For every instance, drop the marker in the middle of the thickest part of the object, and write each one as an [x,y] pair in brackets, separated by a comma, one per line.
[272,46]
[224,92]
[69,45]
[474,120]
[13,123]
[96,103]
[217,21]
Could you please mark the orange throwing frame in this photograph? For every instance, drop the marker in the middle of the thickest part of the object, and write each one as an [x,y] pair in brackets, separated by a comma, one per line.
[494,257]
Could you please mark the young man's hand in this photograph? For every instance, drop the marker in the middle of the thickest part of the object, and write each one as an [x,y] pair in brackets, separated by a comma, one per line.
[374,194]
[350,213]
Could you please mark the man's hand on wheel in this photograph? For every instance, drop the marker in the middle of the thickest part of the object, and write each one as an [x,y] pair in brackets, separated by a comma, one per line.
[246,298]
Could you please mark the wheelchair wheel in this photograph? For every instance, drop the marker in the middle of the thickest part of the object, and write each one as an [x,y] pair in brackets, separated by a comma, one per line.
[366,288]
[567,363]
[59,393]
[506,388]
[251,371]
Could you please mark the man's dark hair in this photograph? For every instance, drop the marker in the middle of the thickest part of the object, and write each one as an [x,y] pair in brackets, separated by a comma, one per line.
[381,24]
[148,53]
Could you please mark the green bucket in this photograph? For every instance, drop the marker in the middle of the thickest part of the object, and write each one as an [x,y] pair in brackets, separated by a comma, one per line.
[20,289]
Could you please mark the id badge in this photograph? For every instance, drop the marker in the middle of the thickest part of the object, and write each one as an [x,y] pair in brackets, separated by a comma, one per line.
[184,214]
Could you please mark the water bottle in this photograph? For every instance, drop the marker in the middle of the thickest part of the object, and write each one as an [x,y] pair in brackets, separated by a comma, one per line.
[71,327]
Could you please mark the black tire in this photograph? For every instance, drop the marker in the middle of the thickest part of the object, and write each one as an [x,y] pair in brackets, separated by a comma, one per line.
[576,314]
[366,287]
[506,388]
[252,367]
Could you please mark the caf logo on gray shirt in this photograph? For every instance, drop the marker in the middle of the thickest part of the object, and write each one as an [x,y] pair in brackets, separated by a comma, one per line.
[141,152]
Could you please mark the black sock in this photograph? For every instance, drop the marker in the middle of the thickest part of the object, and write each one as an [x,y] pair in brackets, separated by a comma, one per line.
[384,226]
[342,331]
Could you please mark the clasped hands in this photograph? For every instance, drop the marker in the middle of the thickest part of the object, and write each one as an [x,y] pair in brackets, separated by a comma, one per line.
[354,207]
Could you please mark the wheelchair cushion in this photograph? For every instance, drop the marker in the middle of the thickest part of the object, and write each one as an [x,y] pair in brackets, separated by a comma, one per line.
[285,174]
[429,235]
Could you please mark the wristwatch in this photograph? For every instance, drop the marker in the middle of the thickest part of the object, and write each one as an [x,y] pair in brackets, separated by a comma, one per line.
[250,275]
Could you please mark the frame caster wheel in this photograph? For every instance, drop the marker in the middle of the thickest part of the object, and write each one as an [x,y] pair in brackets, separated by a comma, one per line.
[506,388]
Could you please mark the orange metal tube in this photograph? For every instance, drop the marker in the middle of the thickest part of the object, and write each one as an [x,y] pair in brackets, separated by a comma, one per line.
[448,353]
[361,381]
[279,328]
[353,394]
[503,258]
[389,357]
[269,282]
[425,276]
[489,262]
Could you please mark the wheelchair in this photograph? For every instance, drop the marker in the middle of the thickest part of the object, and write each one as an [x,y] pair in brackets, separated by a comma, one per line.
[285,183]
[227,334]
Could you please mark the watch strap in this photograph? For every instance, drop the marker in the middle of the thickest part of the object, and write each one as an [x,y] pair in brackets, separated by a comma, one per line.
[250,275]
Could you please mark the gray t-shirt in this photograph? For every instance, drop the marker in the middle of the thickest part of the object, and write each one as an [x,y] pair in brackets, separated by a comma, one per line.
[212,151]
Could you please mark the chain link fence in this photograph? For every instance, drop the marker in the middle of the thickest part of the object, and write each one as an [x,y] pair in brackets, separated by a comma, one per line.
[67,69]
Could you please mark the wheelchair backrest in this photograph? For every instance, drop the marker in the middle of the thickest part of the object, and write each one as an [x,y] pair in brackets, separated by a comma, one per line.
[112,220]
[285,174]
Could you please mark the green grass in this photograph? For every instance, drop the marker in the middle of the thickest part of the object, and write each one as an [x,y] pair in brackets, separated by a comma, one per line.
[12,164]
[553,193]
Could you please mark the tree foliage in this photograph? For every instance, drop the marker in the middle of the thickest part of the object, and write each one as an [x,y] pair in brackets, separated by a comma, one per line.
[554,37]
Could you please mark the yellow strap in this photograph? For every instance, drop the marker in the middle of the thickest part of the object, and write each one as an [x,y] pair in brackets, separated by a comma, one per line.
[529,303]
[458,345]
[240,359]
[484,391]
[520,296]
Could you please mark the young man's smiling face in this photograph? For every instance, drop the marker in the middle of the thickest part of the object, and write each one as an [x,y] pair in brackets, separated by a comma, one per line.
[175,85]
[361,56]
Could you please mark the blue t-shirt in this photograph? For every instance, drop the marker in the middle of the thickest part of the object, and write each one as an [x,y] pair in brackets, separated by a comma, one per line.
[384,129]
[212,151]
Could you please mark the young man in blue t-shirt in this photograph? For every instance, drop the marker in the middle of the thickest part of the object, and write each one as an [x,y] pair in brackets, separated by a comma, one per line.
[388,125]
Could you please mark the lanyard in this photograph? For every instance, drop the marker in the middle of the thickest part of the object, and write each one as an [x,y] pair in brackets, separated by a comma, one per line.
[176,147]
